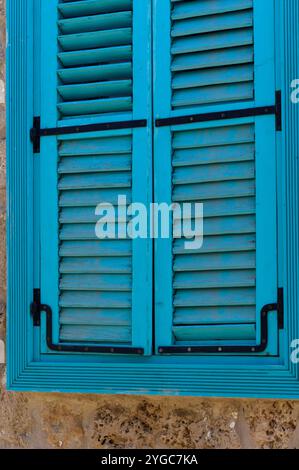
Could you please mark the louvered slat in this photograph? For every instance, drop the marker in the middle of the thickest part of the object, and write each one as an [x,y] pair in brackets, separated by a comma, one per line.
[95,58]
[212,52]
[189,9]
[74,9]
[95,275]
[215,286]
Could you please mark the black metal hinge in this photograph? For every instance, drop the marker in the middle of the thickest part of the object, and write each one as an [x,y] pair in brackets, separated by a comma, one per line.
[224,115]
[36,132]
[279,307]
[35,307]
[36,310]
[278,113]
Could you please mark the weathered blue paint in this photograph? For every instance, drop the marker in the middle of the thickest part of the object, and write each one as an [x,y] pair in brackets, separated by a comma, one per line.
[84,175]
[30,365]
[237,240]
[216,163]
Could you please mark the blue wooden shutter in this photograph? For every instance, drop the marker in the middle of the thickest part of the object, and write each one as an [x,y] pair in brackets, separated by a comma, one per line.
[212,52]
[95,62]
[216,56]
[94,70]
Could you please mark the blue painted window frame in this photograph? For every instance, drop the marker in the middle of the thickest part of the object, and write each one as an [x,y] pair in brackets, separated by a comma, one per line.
[27,369]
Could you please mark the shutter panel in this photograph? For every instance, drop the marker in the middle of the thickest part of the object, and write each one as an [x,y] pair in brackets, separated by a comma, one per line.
[95,276]
[212,52]
[95,63]
[216,286]
[94,71]
[214,295]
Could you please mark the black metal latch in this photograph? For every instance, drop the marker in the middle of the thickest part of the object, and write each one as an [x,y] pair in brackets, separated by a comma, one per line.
[279,307]
[275,110]
[36,310]
[36,132]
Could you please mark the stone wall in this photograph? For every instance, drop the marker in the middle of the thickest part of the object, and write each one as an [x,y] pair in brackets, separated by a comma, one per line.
[87,421]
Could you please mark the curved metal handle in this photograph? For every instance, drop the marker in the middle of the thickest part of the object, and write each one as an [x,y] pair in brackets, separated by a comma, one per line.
[37,308]
[230,349]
